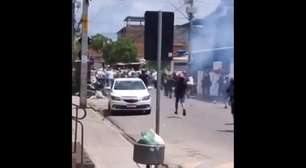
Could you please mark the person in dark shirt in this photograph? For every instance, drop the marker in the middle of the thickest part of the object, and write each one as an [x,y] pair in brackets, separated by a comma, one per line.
[144,77]
[230,92]
[224,94]
[171,84]
[206,85]
[180,91]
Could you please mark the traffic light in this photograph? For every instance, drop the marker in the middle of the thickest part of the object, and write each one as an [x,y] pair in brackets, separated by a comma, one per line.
[151,35]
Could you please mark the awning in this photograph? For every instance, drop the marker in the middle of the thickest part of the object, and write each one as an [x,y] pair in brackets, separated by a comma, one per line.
[183,59]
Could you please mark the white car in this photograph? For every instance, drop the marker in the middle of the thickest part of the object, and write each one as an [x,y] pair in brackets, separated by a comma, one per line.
[129,94]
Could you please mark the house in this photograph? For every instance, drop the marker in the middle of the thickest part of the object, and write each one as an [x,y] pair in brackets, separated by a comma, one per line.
[180,47]
[134,30]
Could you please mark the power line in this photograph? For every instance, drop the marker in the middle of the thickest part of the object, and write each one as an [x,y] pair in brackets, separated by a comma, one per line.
[177,9]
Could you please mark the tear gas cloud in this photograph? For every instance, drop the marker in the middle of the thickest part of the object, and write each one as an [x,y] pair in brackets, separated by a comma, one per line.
[214,32]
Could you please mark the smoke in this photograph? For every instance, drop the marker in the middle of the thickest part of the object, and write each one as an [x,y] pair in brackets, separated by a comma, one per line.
[212,38]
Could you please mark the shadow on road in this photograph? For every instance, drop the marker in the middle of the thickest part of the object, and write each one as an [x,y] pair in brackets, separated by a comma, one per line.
[227,131]
[106,113]
[177,117]
[229,124]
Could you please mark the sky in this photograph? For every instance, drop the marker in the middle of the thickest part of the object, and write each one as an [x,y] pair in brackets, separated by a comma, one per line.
[106,16]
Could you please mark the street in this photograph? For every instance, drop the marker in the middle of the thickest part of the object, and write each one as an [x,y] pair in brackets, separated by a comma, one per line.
[203,138]
[155,45]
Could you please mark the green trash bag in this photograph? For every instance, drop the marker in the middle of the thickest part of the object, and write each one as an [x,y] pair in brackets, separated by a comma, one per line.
[147,137]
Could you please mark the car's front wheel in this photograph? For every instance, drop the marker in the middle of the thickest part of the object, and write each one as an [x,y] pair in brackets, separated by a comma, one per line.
[109,110]
[147,111]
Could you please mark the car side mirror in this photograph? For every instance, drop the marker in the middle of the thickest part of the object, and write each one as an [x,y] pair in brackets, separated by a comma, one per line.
[150,87]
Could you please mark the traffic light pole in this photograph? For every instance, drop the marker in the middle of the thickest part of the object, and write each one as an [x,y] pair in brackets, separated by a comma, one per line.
[159,47]
[83,88]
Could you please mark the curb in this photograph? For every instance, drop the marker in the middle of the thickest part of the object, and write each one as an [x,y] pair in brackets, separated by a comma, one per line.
[125,135]
[76,162]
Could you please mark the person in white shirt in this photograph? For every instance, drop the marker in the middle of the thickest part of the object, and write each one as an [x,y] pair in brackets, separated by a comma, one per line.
[109,77]
[154,76]
[190,84]
[131,73]
[214,88]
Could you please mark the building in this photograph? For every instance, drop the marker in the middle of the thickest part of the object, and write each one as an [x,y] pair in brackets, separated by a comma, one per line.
[180,39]
[134,30]
[180,47]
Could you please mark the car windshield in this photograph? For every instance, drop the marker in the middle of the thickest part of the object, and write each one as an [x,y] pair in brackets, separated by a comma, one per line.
[129,85]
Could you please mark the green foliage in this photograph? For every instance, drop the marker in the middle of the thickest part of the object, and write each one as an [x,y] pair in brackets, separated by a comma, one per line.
[98,42]
[122,50]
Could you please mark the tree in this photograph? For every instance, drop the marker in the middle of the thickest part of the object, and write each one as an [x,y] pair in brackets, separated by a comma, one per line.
[122,50]
[98,41]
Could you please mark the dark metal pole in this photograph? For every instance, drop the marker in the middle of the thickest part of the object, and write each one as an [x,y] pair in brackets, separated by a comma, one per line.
[82,141]
[76,129]
[159,43]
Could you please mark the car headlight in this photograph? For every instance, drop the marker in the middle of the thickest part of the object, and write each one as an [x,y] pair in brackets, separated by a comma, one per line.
[115,98]
[146,98]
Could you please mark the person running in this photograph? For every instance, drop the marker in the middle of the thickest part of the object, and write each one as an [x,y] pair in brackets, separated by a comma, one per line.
[180,91]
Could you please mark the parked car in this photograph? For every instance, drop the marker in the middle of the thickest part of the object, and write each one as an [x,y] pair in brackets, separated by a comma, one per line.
[129,94]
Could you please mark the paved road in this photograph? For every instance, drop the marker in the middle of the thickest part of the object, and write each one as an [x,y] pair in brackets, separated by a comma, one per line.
[202,139]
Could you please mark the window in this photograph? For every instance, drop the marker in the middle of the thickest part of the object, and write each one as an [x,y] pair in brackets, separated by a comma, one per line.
[129,85]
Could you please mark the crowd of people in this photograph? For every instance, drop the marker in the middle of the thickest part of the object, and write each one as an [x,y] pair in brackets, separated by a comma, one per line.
[178,84]
[106,76]
[214,87]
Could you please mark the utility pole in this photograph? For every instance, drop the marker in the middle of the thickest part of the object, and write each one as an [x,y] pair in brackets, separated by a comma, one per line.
[84,59]
[190,10]
[72,30]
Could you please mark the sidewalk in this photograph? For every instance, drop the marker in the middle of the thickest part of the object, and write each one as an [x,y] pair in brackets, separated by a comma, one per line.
[104,144]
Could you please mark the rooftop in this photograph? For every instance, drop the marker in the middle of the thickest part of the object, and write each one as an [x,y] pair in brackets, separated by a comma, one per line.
[134,19]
